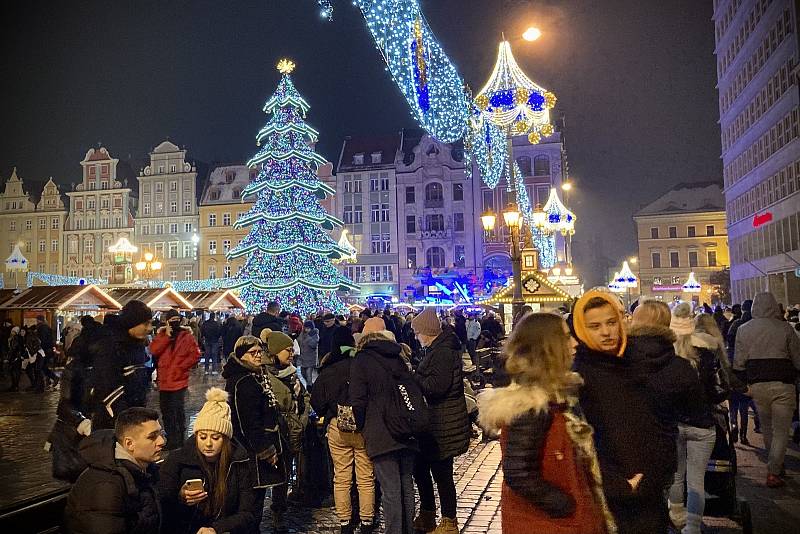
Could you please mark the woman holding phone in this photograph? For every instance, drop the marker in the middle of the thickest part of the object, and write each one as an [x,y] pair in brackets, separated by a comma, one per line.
[206,487]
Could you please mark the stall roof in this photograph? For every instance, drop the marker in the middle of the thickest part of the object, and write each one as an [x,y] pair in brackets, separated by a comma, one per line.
[536,288]
[8,294]
[220,300]
[157,298]
[62,298]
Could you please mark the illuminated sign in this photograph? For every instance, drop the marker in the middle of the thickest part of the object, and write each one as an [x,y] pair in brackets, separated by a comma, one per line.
[668,288]
[764,218]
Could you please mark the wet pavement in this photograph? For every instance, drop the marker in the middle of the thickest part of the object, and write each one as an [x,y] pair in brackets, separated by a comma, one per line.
[26,419]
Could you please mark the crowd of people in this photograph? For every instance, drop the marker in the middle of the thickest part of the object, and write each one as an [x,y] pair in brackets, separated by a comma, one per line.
[606,418]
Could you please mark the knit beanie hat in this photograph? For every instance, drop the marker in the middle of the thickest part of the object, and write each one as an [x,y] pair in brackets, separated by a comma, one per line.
[427,323]
[276,341]
[244,344]
[170,314]
[134,313]
[215,415]
[373,324]
[681,322]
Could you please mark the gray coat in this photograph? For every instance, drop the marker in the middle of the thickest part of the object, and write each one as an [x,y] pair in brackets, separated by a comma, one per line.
[308,348]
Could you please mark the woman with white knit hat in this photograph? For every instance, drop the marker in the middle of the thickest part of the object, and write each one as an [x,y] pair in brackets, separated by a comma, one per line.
[206,487]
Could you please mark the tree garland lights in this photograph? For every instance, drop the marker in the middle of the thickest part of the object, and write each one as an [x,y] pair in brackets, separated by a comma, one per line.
[288,248]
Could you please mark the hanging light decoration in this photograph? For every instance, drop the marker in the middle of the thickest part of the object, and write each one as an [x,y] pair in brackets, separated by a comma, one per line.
[557,217]
[625,278]
[615,285]
[16,262]
[691,285]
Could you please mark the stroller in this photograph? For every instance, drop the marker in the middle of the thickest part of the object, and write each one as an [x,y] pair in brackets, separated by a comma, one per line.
[491,366]
[720,479]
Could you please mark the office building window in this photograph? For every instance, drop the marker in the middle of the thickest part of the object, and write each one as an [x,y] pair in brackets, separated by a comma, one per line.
[375,212]
[348,214]
[411,257]
[458,192]
[212,246]
[460,259]
[411,224]
[411,195]
[653,233]
[373,182]
[692,258]
[384,181]
[358,215]
[690,231]
[673,232]
[384,212]
[458,222]
[710,230]
[712,258]
[674,259]
[212,219]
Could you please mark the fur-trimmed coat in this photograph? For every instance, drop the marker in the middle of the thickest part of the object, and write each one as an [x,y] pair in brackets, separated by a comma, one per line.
[551,475]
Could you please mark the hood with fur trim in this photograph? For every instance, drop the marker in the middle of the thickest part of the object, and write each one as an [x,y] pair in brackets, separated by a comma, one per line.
[666,332]
[497,407]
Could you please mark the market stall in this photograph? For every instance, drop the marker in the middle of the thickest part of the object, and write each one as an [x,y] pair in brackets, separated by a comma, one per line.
[157,298]
[223,300]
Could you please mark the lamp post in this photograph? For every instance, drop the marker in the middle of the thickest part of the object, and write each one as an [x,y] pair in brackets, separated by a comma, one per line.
[513,219]
[148,265]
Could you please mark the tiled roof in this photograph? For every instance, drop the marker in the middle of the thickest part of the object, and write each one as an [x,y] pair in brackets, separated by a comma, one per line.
[687,197]
[387,145]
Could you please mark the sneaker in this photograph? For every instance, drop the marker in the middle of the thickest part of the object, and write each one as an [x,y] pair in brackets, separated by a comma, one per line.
[347,528]
[367,528]
[425,521]
[677,515]
[447,526]
[774,481]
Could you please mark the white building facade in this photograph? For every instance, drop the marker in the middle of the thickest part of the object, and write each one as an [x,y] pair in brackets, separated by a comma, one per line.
[759,104]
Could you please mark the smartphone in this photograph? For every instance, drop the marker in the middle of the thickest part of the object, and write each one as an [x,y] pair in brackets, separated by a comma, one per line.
[194,484]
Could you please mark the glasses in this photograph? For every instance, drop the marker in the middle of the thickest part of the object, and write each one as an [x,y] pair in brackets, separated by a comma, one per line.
[254,352]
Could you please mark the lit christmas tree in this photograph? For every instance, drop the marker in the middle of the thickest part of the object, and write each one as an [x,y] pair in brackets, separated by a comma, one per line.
[289,248]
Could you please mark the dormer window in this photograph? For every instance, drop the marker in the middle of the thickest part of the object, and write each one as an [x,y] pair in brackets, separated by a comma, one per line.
[229,176]
[376,157]
[214,195]
[432,151]
[358,159]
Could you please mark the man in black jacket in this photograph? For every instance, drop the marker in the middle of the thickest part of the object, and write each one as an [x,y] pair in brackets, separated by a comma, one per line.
[119,377]
[326,327]
[45,334]
[268,319]
[115,494]
[740,403]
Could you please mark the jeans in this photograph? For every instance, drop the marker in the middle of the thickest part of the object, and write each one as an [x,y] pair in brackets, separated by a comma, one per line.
[174,415]
[694,449]
[309,375]
[472,344]
[212,354]
[442,472]
[348,450]
[394,471]
[776,402]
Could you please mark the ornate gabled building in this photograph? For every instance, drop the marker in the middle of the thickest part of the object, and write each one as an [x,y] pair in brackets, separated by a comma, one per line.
[168,214]
[101,209]
[34,219]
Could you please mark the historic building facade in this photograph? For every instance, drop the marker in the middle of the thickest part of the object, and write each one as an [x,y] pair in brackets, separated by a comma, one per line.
[759,102]
[101,209]
[681,232]
[168,215]
[32,216]
[220,206]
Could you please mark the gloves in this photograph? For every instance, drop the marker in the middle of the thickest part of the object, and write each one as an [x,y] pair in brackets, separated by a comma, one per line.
[85,427]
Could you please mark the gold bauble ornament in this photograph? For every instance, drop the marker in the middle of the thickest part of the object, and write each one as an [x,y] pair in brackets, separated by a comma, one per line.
[520,127]
[547,130]
[534,138]
[482,101]
[521,96]
[549,100]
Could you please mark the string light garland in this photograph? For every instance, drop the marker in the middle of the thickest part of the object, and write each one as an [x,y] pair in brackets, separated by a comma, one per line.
[61,280]
[288,248]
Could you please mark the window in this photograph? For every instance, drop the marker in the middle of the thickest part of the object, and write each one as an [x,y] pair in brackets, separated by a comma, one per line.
[54,245]
[524,163]
[411,224]
[28,224]
[214,195]
[226,219]
[348,214]
[690,231]
[375,157]
[212,219]
[173,185]
[173,228]
[358,215]
[188,251]
[78,204]
[106,244]
[187,274]
[73,246]
[458,222]
[433,195]
[145,229]
[13,226]
[411,257]
[674,259]
[42,245]
[710,230]
[42,223]
[187,205]
[384,212]
[27,246]
[226,270]
[541,165]
[435,257]
[226,246]
[212,246]
[488,200]
[187,227]
[673,232]
[384,181]
[458,192]
[104,202]
[88,245]
[375,273]
[692,258]
[712,258]
[375,212]
[146,208]
[655,258]
[172,251]
[358,159]
[381,244]
[159,208]
[159,229]
[434,222]
[54,224]
[460,259]
[373,182]
[160,185]
[173,206]
[653,233]
[212,271]
[411,195]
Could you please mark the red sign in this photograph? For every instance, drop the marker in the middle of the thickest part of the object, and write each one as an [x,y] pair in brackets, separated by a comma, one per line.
[764,218]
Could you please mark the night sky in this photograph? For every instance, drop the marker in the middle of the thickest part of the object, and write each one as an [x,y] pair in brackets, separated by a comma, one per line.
[635,79]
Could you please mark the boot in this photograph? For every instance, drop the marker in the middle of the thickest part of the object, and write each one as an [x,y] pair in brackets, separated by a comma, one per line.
[425,521]
[447,526]
[367,528]
[677,515]
[347,528]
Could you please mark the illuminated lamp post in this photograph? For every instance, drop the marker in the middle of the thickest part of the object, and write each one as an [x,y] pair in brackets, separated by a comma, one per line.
[148,266]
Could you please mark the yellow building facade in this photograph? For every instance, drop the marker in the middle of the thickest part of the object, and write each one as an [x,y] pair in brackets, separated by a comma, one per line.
[682,232]
[32,216]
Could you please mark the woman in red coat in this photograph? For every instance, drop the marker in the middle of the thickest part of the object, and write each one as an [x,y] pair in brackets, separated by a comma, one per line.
[551,478]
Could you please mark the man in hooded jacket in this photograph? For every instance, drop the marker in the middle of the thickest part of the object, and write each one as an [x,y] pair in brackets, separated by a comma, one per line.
[739,402]
[767,357]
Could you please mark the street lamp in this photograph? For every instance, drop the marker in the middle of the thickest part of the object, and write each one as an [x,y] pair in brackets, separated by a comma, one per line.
[488,219]
[148,265]
[532,34]
[513,219]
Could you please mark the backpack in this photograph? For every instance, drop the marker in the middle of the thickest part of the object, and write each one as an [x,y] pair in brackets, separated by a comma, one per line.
[405,411]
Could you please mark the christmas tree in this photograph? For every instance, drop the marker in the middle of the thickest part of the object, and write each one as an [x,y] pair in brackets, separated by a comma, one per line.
[288,248]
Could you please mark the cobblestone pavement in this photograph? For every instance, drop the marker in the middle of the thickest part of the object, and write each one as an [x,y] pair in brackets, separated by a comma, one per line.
[26,419]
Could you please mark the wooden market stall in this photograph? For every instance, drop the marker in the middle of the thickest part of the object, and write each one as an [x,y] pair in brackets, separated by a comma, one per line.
[157,298]
[537,291]
[221,300]
[58,304]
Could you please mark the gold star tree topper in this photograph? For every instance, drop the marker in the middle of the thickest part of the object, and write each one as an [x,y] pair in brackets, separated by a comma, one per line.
[286,66]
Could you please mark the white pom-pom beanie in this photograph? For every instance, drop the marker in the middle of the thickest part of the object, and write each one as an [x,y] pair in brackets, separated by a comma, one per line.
[215,415]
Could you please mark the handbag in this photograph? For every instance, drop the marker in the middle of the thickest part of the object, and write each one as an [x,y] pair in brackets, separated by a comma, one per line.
[64,442]
[345,420]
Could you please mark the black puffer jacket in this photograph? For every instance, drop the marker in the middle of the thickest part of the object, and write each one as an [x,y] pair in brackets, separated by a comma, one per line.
[119,377]
[331,387]
[111,496]
[706,393]
[440,378]
[265,320]
[370,385]
[239,514]
[255,417]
